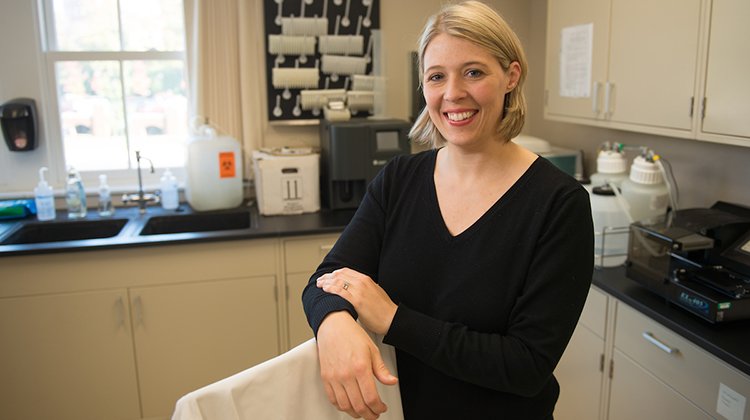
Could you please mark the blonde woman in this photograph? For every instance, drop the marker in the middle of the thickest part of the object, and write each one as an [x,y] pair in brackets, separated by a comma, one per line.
[473,259]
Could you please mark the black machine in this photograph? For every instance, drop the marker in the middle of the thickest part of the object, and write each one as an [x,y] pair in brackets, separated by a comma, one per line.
[353,152]
[701,262]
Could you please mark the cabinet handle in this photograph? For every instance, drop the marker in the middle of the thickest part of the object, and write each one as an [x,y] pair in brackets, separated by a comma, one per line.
[692,105]
[595,102]
[138,310]
[607,93]
[655,341]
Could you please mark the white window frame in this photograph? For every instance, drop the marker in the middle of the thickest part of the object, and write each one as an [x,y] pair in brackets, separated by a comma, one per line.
[120,180]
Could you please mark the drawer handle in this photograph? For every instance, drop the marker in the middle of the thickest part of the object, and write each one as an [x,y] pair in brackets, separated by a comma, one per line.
[655,341]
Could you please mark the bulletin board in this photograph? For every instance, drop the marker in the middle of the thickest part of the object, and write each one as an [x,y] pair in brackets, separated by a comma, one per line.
[319,53]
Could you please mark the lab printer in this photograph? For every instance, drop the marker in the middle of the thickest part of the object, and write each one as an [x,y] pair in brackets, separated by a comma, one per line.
[700,261]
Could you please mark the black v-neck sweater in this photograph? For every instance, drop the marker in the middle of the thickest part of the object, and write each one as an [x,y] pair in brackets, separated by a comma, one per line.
[484,316]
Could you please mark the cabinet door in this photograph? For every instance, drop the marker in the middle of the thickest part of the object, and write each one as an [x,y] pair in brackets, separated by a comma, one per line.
[190,335]
[727,83]
[299,329]
[653,62]
[302,256]
[580,375]
[636,394]
[67,356]
[563,14]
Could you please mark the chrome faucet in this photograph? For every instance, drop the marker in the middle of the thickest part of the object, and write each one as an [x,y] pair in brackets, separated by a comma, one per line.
[140,197]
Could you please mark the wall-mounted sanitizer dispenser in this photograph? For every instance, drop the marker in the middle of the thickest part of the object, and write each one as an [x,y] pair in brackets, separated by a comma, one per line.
[18,119]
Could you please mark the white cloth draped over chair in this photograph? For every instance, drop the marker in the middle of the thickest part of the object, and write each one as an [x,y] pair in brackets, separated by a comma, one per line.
[284,388]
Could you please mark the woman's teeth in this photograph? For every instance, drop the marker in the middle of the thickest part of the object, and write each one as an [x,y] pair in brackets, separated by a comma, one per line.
[459,116]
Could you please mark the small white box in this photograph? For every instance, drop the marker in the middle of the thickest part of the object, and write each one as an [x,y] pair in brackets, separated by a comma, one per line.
[287,182]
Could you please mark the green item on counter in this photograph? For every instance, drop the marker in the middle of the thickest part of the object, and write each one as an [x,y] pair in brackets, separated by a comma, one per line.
[17,209]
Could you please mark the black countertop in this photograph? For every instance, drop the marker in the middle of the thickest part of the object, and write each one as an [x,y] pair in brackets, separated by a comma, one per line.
[728,342]
[325,221]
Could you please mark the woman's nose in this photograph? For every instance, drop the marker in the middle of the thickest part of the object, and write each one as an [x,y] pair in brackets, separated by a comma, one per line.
[454,89]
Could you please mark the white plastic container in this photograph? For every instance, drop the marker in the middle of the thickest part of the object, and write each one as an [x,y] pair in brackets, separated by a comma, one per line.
[611,166]
[170,198]
[611,224]
[214,171]
[611,227]
[645,192]
[44,198]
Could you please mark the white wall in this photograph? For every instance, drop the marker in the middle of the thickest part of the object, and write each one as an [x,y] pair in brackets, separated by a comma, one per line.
[21,75]
[705,172]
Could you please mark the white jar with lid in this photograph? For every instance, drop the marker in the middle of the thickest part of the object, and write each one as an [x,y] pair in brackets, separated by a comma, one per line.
[611,166]
[645,191]
[610,220]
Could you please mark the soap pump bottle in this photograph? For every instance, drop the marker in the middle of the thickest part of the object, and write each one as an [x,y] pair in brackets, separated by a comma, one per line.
[105,198]
[169,195]
[75,195]
[44,198]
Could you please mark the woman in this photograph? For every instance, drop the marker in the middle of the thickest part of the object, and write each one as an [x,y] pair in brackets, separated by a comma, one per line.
[473,259]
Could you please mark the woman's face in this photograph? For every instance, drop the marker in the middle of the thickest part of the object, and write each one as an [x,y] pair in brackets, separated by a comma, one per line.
[464,89]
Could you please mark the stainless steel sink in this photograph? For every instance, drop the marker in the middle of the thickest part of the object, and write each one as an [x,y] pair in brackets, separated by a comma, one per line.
[198,222]
[58,231]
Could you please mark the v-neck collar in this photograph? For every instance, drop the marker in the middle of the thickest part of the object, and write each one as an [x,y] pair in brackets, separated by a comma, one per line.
[437,215]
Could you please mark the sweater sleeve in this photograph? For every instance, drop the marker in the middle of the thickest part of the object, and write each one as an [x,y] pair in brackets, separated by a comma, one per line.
[357,248]
[521,359]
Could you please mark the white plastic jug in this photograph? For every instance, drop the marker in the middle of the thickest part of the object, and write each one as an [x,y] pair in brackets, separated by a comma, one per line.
[610,221]
[645,191]
[214,171]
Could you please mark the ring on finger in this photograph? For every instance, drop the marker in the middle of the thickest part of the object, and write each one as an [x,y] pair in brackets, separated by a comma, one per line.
[346,285]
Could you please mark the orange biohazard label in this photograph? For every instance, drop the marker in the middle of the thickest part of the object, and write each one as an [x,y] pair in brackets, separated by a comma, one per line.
[226,165]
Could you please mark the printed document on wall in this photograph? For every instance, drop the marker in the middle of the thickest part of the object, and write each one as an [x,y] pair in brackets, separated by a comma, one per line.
[576,46]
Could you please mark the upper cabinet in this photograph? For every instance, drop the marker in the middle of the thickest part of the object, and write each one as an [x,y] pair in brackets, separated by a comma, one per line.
[727,91]
[572,84]
[665,67]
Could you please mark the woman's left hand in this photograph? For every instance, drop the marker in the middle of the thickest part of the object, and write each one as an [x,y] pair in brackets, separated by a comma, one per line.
[374,307]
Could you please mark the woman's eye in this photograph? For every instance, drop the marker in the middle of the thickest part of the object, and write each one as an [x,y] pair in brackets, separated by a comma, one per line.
[434,77]
[474,73]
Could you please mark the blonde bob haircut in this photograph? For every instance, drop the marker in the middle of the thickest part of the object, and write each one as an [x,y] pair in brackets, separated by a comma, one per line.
[482,26]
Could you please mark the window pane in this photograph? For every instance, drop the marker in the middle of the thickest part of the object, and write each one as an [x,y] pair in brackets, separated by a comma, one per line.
[152,25]
[156,104]
[91,114]
[86,25]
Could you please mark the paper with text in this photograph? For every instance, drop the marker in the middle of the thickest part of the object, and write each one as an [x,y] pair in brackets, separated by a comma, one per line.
[576,49]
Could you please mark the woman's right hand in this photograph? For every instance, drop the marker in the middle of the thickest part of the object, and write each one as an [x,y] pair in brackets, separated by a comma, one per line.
[349,364]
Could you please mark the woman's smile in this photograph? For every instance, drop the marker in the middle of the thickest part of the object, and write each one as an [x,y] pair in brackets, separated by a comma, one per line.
[460,116]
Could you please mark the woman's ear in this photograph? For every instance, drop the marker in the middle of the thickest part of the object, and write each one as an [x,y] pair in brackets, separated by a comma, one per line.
[514,75]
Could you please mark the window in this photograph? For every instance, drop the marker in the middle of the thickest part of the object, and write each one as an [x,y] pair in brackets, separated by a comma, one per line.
[120,86]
